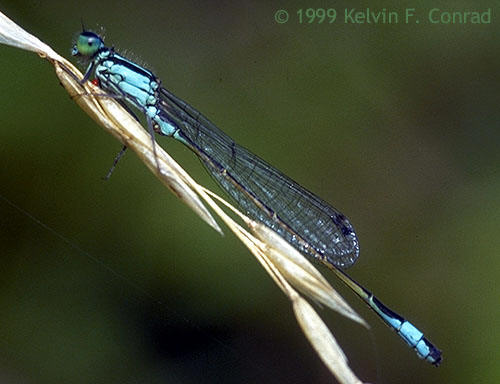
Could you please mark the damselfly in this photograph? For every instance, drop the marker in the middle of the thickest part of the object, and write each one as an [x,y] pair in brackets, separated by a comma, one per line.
[307,222]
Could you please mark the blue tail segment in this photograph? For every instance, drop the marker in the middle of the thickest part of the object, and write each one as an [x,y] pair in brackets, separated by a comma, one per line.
[408,332]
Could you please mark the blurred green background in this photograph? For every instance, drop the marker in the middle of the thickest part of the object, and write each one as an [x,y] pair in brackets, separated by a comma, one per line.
[395,125]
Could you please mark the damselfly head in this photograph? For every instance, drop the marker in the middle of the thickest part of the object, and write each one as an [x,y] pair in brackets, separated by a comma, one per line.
[87,44]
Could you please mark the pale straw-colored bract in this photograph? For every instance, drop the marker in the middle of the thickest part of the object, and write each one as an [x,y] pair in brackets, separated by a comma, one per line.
[287,267]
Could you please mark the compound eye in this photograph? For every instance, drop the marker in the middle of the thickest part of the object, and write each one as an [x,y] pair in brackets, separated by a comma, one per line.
[88,44]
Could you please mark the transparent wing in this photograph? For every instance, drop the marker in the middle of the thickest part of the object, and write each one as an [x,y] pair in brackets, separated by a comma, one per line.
[307,222]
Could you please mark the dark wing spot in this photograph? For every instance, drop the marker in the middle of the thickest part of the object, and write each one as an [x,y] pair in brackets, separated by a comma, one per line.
[341,222]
